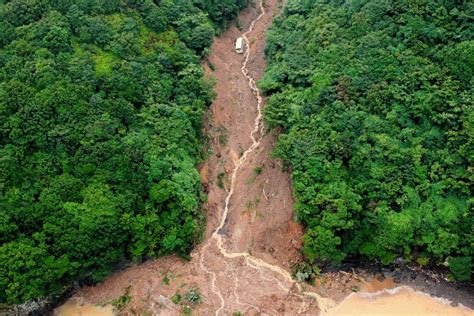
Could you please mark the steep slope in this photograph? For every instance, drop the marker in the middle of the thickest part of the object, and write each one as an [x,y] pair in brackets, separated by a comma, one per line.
[101,106]
[228,269]
[243,264]
[375,102]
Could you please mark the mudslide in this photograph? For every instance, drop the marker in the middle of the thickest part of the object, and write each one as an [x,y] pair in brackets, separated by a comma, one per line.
[251,241]
[279,275]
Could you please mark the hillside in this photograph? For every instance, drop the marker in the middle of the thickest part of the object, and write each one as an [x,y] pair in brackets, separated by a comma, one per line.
[374,100]
[101,106]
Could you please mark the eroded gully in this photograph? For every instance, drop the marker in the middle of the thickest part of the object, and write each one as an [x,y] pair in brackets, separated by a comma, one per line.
[216,236]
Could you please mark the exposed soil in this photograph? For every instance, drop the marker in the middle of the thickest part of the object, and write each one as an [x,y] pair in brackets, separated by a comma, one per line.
[242,266]
[261,216]
[251,239]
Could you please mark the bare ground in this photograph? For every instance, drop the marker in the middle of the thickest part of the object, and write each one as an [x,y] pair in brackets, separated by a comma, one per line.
[260,221]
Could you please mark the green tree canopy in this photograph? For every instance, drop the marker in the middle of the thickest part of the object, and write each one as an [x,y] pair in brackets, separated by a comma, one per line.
[100,119]
[375,102]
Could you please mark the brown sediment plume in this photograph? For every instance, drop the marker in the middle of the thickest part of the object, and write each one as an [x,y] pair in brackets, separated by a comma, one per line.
[395,302]
[76,307]
[376,285]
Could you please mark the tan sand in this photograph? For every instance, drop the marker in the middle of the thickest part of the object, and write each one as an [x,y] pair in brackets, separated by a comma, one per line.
[396,302]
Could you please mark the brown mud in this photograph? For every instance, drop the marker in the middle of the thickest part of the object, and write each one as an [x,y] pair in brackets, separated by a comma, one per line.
[251,239]
[77,307]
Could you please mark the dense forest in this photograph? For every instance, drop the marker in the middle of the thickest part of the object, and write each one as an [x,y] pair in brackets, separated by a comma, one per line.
[100,120]
[375,104]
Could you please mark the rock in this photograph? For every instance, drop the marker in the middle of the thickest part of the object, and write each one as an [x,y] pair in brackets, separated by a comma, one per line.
[397,276]
[399,261]
[32,307]
[281,309]
[164,302]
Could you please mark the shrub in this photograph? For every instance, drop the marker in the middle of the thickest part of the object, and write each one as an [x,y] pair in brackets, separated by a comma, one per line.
[193,296]
[461,268]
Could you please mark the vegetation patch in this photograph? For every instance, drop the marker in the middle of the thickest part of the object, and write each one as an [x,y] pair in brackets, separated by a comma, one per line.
[303,271]
[176,298]
[188,300]
[121,303]
[104,62]
[222,135]
[220,180]
[193,296]
[255,173]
